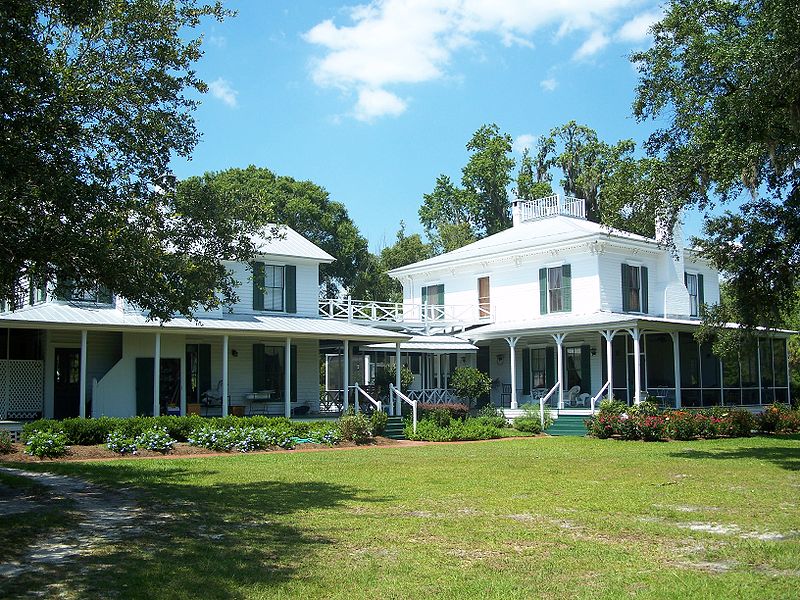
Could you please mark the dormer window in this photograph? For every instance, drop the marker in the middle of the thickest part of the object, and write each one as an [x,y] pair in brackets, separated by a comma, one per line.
[634,289]
[274,287]
[68,291]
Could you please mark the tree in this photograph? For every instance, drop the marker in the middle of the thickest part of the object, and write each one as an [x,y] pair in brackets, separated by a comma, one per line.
[406,249]
[96,98]
[470,384]
[532,185]
[723,80]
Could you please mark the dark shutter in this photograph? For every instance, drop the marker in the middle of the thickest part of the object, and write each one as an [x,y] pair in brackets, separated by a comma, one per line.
[259,373]
[290,279]
[526,371]
[566,288]
[203,367]
[701,296]
[258,286]
[643,290]
[144,386]
[425,295]
[626,289]
[550,367]
[543,291]
[440,294]
[586,369]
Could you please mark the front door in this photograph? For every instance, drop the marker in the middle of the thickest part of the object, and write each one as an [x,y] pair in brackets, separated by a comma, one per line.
[67,383]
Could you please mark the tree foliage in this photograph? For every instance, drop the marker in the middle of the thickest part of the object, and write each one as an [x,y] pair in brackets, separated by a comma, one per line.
[96,98]
[723,80]
[406,249]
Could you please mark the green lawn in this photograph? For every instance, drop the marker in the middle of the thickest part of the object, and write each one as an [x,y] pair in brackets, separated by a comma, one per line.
[543,517]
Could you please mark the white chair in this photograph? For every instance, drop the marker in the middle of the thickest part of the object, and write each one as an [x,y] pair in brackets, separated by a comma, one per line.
[572,395]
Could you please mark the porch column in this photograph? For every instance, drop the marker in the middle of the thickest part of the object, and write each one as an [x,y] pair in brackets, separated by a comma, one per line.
[346,377]
[512,344]
[559,339]
[676,366]
[636,334]
[608,335]
[82,408]
[397,368]
[225,352]
[157,376]
[287,377]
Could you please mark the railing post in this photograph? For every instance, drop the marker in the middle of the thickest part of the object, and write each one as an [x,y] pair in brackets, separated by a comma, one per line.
[541,411]
[349,309]
[414,416]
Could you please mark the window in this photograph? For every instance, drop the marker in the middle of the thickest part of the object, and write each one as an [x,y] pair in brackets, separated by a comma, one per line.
[539,367]
[275,287]
[484,303]
[634,289]
[68,291]
[433,296]
[694,285]
[269,372]
[555,289]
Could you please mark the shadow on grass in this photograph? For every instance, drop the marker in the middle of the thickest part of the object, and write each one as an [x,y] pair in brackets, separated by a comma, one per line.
[785,457]
[211,541]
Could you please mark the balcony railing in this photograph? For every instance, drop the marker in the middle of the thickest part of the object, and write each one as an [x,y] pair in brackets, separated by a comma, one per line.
[551,206]
[403,312]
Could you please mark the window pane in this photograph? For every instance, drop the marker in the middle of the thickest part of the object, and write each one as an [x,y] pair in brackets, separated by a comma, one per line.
[691,286]
[733,397]
[710,366]
[635,287]
[660,366]
[690,361]
[730,375]
[765,354]
[538,368]
[779,358]
[749,365]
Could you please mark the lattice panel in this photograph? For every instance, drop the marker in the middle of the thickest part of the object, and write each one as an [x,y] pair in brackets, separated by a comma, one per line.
[25,392]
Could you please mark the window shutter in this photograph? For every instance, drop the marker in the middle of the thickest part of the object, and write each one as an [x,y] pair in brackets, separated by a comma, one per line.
[204,367]
[701,296]
[586,369]
[566,288]
[526,371]
[258,287]
[425,295]
[543,291]
[550,367]
[290,281]
[440,294]
[643,290]
[259,371]
[626,289]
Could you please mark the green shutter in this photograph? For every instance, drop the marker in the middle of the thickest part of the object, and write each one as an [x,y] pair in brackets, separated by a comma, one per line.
[543,291]
[290,281]
[425,295]
[258,286]
[586,369]
[701,296]
[259,372]
[144,386]
[203,367]
[550,367]
[626,289]
[643,294]
[526,371]
[566,288]
[440,294]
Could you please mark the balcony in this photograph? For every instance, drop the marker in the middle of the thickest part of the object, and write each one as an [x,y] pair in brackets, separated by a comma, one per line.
[549,206]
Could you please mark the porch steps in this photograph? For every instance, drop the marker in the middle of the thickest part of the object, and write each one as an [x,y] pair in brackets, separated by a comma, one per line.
[568,425]
[394,429]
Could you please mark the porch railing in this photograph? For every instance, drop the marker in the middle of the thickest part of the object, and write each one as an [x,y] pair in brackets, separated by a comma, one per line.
[433,396]
[376,403]
[402,312]
[544,399]
[399,397]
[551,206]
[599,394]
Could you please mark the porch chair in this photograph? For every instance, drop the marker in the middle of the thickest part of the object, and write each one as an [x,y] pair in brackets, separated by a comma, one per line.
[572,396]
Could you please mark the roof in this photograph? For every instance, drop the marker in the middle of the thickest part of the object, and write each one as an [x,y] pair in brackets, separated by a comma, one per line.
[285,241]
[551,231]
[429,343]
[70,316]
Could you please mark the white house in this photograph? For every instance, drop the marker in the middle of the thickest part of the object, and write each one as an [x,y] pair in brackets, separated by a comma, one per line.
[563,299]
[63,354]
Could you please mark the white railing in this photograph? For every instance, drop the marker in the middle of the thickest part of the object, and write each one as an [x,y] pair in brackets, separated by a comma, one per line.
[376,403]
[551,206]
[597,396]
[400,396]
[400,312]
[544,399]
[433,396]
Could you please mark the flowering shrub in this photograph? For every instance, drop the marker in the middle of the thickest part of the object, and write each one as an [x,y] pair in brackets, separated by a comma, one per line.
[682,425]
[651,428]
[156,439]
[243,439]
[6,445]
[604,425]
[118,442]
[329,435]
[47,444]
[779,418]
[356,428]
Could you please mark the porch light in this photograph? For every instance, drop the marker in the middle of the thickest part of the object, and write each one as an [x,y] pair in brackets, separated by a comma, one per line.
[593,351]
[234,353]
[500,358]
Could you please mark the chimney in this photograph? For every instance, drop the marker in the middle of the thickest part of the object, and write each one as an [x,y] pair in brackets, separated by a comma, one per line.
[516,211]
[676,298]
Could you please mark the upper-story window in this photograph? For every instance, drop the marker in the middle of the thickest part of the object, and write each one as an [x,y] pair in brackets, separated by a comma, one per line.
[555,289]
[484,300]
[694,285]
[274,287]
[634,288]
[433,297]
[68,291]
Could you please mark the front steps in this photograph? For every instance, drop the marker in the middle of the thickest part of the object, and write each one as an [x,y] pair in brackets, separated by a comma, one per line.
[569,425]
[394,429]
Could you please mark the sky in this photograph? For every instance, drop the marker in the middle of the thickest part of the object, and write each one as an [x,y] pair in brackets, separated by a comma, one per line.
[373,101]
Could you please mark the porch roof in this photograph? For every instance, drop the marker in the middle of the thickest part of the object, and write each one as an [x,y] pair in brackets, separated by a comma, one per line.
[70,316]
[429,343]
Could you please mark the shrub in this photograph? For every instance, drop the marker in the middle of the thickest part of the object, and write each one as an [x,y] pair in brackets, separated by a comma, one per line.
[470,384]
[490,415]
[457,410]
[243,439]
[737,423]
[651,428]
[528,424]
[46,425]
[324,433]
[50,444]
[604,425]
[156,439]
[118,442]
[387,375]
[612,407]
[356,428]
[378,422]
[6,445]
[646,408]
[779,418]
[531,410]
[682,425]
[470,429]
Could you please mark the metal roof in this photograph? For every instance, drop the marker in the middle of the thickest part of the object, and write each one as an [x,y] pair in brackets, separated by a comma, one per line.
[432,343]
[72,316]
[287,242]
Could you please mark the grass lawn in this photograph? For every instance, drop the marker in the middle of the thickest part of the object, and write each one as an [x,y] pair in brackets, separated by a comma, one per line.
[541,517]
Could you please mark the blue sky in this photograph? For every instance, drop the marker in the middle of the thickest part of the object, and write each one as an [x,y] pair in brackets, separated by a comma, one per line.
[373,101]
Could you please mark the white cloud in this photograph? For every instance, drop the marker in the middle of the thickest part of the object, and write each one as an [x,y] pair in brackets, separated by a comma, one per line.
[638,28]
[523,142]
[395,42]
[377,103]
[593,44]
[549,84]
[221,90]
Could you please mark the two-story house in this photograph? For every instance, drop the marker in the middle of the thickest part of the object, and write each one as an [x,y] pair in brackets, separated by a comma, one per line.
[568,301]
[64,354]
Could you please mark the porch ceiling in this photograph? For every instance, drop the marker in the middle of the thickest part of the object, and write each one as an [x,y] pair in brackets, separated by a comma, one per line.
[67,316]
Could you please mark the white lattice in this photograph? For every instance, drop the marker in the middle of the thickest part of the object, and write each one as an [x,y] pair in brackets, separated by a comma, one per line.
[23,396]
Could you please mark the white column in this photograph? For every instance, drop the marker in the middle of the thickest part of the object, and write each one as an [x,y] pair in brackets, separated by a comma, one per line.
[609,334]
[676,366]
[287,383]
[512,344]
[157,376]
[82,407]
[346,377]
[559,338]
[225,353]
[637,364]
[397,379]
